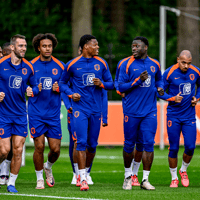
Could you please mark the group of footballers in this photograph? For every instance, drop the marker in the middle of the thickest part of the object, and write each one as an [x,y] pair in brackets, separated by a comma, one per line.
[82,84]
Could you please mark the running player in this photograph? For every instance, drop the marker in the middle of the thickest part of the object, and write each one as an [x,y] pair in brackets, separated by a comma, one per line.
[139,78]
[44,109]
[16,73]
[180,81]
[89,74]
[135,165]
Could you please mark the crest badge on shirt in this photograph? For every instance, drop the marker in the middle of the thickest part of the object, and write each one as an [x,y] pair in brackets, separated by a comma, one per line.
[97,67]
[24,71]
[54,71]
[153,69]
[192,77]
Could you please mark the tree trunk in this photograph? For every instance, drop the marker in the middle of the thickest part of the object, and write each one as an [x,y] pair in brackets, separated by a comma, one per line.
[81,21]
[117,15]
[188,29]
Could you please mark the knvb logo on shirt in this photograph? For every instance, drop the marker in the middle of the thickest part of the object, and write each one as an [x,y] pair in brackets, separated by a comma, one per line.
[15,81]
[185,88]
[147,82]
[46,83]
[88,79]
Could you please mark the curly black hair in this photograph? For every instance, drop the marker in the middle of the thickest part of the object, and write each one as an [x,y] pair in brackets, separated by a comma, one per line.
[41,36]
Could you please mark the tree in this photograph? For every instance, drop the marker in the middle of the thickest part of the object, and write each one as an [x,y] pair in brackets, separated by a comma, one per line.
[81,21]
[188,29]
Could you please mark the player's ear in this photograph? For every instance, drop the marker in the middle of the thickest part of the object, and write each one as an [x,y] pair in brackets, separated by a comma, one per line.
[12,47]
[178,59]
[38,48]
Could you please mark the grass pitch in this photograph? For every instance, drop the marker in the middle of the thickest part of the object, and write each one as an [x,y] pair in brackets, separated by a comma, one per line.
[107,174]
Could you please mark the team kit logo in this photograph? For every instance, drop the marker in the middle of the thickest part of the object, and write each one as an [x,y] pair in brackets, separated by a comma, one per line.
[46,83]
[15,81]
[88,79]
[147,82]
[185,88]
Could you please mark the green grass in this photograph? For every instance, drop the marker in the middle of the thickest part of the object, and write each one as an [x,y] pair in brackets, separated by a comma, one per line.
[108,174]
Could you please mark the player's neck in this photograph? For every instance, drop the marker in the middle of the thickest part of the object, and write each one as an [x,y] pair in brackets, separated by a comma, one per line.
[42,58]
[86,55]
[15,60]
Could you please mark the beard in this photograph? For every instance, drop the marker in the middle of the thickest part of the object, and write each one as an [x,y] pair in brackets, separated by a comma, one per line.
[17,54]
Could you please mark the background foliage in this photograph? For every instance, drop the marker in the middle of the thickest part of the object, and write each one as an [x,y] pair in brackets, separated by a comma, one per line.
[141,18]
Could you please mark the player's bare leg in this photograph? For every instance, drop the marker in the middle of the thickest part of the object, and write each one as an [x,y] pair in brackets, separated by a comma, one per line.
[38,159]
[82,170]
[173,170]
[147,160]
[4,148]
[136,165]
[38,155]
[182,171]
[128,157]
[54,153]
[17,145]
[89,160]
[75,162]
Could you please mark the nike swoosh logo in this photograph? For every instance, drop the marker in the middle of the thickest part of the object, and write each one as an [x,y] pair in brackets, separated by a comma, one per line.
[176,78]
[135,69]
[79,68]
[193,122]
[37,70]
[5,69]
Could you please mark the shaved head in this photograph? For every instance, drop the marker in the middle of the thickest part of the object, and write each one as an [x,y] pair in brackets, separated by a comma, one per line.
[185,53]
[184,60]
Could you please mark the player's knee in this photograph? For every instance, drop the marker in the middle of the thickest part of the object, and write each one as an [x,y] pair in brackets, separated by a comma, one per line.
[189,151]
[148,147]
[173,153]
[139,147]
[39,147]
[81,146]
[91,149]
[128,148]
[4,153]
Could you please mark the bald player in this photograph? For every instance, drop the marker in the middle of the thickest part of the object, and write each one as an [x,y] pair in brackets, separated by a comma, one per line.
[180,80]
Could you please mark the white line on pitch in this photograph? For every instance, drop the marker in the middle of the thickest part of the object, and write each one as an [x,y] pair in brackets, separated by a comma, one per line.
[43,196]
[111,157]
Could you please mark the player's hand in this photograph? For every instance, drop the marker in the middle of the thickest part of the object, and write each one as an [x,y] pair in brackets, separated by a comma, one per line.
[70,110]
[178,98]
[97,81]
[55,86]
[144,75]
[122,95]
[29,91]
[194,101]
[160,91]
[104,124]
[2,95]
[40,87]
[76,96]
